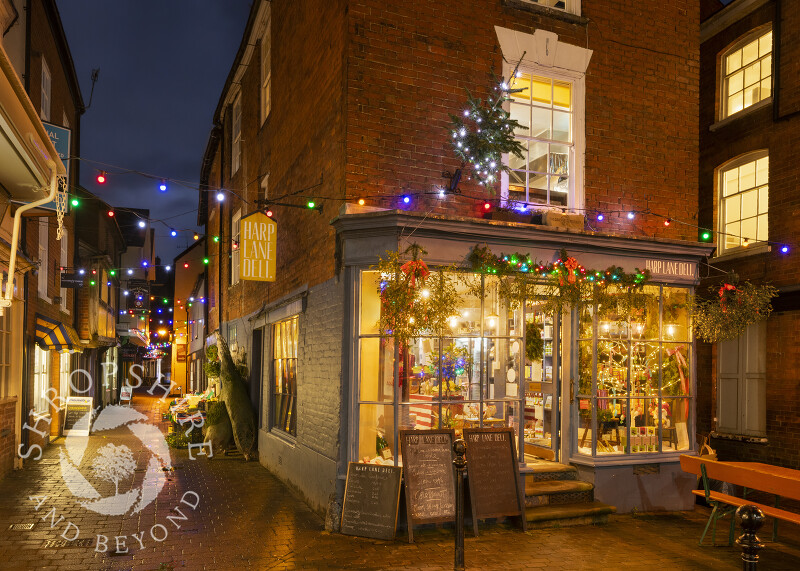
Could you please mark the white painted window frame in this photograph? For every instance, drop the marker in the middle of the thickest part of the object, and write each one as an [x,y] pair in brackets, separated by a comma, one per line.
[570,6]
[721,221]
[723,76]
[576,199]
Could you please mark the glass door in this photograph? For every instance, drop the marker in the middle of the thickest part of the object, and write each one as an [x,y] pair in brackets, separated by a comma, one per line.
[542,419]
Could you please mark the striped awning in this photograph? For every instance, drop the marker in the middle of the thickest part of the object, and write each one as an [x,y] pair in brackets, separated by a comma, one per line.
[52,334]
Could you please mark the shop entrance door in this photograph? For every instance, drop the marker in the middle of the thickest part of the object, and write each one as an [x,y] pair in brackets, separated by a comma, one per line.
[543,380]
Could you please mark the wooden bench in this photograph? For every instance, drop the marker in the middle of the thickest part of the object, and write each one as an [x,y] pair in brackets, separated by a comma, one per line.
[775,480]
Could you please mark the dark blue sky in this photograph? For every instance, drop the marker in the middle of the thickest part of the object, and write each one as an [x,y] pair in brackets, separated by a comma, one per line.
[163,64]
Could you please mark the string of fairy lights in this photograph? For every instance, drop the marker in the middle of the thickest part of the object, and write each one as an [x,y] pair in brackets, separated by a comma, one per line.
[408,200]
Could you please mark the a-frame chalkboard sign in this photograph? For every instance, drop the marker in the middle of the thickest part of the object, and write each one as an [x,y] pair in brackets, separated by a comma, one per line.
[493,474]
[429,476]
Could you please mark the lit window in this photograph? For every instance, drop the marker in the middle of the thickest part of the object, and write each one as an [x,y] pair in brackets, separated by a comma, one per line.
[236,135]
[284,376]
[544,109]
[41,380]
[747,73]
[743,203]
[266,68]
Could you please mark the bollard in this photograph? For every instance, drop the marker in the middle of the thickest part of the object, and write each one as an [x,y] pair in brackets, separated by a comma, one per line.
[752,519]
[460,448]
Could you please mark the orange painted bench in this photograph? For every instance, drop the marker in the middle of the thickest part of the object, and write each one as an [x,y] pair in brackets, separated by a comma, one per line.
[775,480]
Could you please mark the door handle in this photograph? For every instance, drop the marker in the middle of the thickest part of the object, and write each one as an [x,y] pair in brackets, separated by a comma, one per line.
[571,391]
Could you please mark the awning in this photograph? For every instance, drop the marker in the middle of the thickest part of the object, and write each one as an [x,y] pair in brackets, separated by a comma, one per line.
[51,334]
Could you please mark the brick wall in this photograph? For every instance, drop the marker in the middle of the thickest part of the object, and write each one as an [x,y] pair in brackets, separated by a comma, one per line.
[750,131]
[8,413]
[319,386]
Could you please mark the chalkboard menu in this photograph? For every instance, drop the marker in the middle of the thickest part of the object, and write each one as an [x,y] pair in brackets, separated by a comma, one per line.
[429,476]
[78,415]
[493,474]
[371,496]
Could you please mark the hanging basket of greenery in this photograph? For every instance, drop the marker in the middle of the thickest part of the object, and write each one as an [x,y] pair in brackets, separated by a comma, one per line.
[534,344]
[731,309]
[414,299]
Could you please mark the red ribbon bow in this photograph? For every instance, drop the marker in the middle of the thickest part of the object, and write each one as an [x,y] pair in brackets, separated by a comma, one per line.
[415,269]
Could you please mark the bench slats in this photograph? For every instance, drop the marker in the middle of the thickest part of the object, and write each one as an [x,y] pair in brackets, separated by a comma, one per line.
[770,511]
[754,478]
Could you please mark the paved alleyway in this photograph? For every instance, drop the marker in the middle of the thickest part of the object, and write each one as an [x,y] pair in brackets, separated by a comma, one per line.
[247,519]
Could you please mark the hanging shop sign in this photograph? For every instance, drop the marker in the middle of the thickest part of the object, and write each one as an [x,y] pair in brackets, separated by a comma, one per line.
[71,280]
[371,499]
[258,234]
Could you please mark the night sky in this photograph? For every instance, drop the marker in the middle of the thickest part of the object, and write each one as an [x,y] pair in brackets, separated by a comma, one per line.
[163,64]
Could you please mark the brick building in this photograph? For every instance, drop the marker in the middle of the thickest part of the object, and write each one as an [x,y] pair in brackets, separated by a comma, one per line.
[347,106]
[45,116]
[747,387]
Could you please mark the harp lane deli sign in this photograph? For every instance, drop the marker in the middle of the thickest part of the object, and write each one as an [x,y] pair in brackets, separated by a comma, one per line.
[259,235]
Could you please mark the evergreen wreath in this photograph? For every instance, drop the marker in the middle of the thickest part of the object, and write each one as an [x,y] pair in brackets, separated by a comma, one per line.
[731,309]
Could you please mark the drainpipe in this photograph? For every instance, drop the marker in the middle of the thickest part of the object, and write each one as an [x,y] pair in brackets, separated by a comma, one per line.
[6,301]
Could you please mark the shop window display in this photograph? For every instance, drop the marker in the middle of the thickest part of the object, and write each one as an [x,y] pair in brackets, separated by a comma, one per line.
[468,377]
[634,377]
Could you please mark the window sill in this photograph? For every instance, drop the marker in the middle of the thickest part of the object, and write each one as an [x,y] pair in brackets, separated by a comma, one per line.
[722,123]
[629,459]
[742,252]
[556,13]
[284,437]
[740,438]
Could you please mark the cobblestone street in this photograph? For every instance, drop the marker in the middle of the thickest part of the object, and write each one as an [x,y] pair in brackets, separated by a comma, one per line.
[246,518]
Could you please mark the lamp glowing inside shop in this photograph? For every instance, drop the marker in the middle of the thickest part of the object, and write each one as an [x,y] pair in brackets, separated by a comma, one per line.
[492,320]
[671,330]
[426,293]
[454,322]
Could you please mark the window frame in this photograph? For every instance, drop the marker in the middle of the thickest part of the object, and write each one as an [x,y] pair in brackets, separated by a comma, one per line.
[288,427]
[266,68]
[576,193]
[722,224]
[234,265]
[64,243]
[44,258]
[41,380]
[236,134]
[570,6]
[742,41]
[46,92]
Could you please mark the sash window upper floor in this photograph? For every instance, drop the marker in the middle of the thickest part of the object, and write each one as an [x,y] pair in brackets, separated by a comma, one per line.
[746,72]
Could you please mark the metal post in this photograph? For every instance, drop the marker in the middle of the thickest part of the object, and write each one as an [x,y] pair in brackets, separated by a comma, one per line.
[460,462]
[751,519]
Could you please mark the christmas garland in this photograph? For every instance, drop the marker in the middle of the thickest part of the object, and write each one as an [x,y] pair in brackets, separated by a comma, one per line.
[566,282]
[731,309]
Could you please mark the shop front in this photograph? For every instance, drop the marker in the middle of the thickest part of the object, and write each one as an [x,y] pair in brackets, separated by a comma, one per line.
[606,384]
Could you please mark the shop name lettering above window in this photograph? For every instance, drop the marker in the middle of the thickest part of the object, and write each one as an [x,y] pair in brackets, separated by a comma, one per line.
[259,235]
[674,269]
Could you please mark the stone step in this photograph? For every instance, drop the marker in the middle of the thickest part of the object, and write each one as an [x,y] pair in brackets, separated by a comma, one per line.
[541,471]
[557,492]
[565,515]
